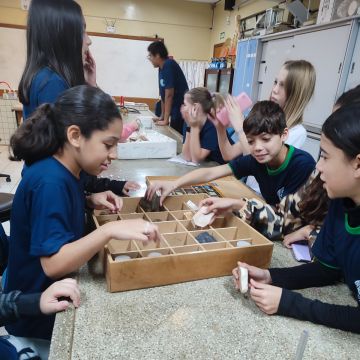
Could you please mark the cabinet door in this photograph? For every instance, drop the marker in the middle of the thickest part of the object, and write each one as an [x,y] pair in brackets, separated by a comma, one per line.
[274,54]
[212,81]
[312,145]
[325,49]
[353,78]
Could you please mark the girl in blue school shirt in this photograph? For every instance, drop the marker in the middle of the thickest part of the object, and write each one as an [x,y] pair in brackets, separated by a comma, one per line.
[200,140]
[337,247]
[59,57]
[58,142]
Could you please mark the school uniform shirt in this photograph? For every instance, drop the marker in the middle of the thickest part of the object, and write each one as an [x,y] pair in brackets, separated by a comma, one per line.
[172,77]
[297,137]
[276,183]
[337,253]
[47,213]
[209,141]
[46,87]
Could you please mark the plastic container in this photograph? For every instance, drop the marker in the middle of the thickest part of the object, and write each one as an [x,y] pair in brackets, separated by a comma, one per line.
[244,102]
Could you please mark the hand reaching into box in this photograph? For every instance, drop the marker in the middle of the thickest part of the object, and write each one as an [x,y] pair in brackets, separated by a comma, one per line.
[165,188]
[134,229]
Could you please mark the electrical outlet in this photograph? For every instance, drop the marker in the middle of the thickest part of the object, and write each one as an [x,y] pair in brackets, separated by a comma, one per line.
[25,4]
[110,29]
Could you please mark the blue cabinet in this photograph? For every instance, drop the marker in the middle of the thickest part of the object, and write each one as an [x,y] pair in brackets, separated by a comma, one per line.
[247,68]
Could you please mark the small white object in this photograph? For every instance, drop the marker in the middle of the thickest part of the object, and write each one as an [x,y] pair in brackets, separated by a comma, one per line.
[242,243]
[122,258]
[25,4]
[192,206]
[244,279]
[110,29]
[146,121]
[202,219]
[154,254]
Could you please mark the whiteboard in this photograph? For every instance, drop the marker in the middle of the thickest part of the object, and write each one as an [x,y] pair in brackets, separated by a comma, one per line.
[12,55]
[123,68]
[122,65]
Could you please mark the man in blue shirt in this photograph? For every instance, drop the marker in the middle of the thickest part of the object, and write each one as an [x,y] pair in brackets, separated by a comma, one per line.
[172,86]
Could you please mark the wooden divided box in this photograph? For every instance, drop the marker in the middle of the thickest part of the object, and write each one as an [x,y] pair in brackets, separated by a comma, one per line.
[181,254]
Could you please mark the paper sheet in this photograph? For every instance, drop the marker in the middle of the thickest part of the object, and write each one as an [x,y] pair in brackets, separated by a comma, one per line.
[180,160]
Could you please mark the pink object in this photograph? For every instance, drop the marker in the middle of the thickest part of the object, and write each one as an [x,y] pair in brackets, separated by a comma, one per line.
[244,102]
[128,129]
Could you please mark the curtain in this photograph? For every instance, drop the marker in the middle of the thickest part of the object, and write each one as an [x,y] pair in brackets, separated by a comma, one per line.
[194,72]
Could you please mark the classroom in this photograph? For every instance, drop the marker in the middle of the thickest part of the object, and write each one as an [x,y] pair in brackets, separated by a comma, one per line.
[179,179]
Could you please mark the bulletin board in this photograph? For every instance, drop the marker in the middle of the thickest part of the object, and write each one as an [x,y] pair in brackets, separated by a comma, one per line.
[122,64]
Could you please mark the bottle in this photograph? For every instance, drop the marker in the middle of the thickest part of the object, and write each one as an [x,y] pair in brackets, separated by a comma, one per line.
[244,102]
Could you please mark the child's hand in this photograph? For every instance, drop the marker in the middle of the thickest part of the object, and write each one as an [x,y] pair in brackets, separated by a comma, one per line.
[130,186]
[214,119]
[196,116]
[300,234]
[165,187]
[266,297]
[221,205]
[49,300]
[90,69]
[236,117]
[184,114]
[255,273]
[105,200]
[134,229]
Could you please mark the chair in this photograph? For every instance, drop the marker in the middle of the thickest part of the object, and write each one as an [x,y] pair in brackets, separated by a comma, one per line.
[6,201]
[8,178]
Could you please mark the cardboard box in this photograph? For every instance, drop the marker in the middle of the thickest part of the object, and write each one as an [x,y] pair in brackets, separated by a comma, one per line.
[159,146]
[182,258]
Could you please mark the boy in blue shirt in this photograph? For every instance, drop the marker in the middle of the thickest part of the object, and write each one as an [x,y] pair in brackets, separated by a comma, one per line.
[279,169]
[172,86]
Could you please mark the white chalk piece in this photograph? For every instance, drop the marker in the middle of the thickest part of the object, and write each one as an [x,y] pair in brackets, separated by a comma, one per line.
[192,206]
[244,279]
[154,254]
[122,258]
[202,219]
[242,243]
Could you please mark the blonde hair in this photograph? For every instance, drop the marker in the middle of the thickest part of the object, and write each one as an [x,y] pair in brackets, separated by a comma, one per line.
[209,101]
[299,88]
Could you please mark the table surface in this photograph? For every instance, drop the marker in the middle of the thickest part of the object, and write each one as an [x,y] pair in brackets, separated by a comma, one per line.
[204,319]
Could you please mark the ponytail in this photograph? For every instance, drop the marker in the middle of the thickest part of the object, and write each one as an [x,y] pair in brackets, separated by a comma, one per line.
[45,132]
[209,102]
[36,138]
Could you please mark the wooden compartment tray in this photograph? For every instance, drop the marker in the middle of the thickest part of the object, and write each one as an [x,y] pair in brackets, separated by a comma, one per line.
[183,258]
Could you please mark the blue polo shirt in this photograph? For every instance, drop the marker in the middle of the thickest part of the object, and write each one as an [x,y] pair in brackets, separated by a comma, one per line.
[172,77]
[47,213]
[209,141]
[276,183]
[338,243]
[45,87]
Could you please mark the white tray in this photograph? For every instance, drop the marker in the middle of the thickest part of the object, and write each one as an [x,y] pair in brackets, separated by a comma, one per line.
[159,146]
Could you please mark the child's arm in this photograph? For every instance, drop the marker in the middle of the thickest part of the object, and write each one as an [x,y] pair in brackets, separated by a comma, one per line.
[15,304]
[293,304]
[73,255]
[198,176]
[186,147]
[197,153]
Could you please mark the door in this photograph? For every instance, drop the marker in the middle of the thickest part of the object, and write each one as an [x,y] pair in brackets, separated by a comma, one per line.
[353,78]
